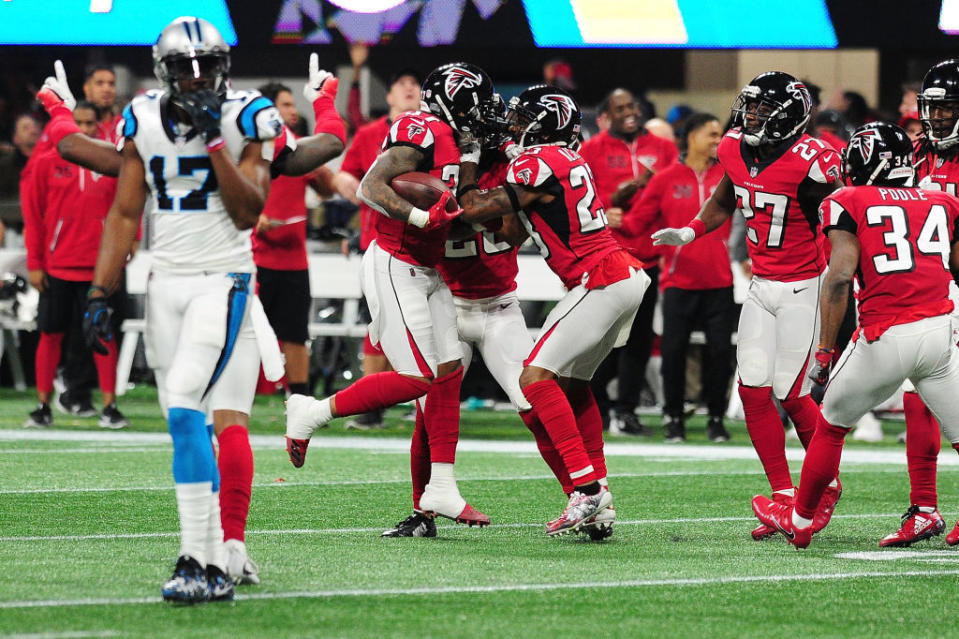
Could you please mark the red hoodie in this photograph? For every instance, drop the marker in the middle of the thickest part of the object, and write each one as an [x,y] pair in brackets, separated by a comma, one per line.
[64,206]
[614,161]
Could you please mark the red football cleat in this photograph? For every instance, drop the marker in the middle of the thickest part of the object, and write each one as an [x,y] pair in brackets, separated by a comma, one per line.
[780,516]
[827,504]
[916,526]
[472,517]
[953,537]
[762,531]
[296,448]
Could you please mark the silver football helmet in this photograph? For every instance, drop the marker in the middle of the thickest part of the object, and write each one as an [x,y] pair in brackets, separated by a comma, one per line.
[191,47]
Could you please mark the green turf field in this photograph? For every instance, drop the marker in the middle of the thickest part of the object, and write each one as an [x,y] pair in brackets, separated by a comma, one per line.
[88,534]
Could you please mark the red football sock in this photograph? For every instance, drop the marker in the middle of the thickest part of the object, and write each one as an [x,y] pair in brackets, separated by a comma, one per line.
[47,358]
[236,480]
[922,450]
[804,414]
[107,367]
[820,467]
[550,455]
[377,391]
[766,431]
[419,457]
[557,417]
[590,424]
[442,416]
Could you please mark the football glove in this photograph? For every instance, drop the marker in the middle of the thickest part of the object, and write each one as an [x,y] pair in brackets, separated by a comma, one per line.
[203,107]
[322,83]
[820,372]
[56,91]
[673,237]
[96,324]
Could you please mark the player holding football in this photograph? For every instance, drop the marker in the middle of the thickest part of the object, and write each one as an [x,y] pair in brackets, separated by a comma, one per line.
[898,241]
[550,190]
[776,175]
[291,157]
[414,320]
[202,153]
[937,169]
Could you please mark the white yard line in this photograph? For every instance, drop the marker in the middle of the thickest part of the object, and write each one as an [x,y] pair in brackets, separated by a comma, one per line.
[663,451]
[66,634]
[442,590]
[376,529]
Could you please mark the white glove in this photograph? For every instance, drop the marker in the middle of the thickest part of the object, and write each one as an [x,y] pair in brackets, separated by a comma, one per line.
[59,87]
[470,152]
[318,83]
[673,237]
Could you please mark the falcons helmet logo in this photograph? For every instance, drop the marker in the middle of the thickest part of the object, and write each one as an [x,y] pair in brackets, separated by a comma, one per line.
[800,93]
[459,78]
[865,142]
[561,105]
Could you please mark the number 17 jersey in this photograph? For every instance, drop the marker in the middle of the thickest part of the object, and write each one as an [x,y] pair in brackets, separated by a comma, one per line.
[773,194]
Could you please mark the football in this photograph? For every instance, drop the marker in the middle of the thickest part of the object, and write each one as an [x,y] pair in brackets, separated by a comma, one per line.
[422,190]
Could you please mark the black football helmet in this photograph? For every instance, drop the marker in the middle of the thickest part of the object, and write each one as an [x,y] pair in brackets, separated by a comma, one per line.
[544,114]
[191,47]
[878,154]
[461,95]
[772,108]
[939,104]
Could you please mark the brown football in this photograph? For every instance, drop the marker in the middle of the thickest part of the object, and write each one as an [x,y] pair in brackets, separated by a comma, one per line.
[422,190]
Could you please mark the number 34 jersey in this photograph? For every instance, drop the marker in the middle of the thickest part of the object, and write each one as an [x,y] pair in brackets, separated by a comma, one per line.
[773,194]
[191,231]
[905,237]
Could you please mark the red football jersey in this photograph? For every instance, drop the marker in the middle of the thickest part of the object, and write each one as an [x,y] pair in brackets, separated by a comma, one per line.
[905,237]
[481,266]
[935,173]
[570,230]
[782,219]
[434,138]
[359,157]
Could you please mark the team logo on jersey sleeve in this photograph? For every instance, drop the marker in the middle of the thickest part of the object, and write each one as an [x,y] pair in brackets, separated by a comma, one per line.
[413,129]
[459,78]
[524,175]
[563,106]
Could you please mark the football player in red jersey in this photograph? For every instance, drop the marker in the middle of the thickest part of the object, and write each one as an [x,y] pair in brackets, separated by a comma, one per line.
[936,161]
[412,308]
[776,176]
[898,241]
[550,190]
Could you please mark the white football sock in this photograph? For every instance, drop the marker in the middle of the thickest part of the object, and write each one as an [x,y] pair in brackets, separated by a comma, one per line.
[193,505]
[321,412]
[800,522]
[789,492]
[216,551]
[927,509]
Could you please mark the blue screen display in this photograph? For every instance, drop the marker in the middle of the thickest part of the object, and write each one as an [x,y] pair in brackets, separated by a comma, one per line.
[103,22]
[707,24]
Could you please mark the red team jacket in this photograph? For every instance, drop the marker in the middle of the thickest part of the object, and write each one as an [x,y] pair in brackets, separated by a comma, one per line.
[571,230]
[366,145]
[434,138]
[782,220]
[64,206]
[484,265]
[614,161]
[906,236]
[672,198]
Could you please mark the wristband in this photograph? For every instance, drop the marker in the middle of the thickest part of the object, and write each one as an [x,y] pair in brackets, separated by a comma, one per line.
[418,217]
[216,144]
[698,227]
[94,288]
[466,189]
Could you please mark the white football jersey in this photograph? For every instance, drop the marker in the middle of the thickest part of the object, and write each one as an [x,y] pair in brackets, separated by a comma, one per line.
[191,230]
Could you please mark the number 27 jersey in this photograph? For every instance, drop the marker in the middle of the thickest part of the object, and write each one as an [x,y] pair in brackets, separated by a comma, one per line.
[782,219]
[191,230]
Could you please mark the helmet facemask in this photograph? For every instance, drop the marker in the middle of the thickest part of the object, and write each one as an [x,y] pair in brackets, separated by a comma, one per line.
[942,132]
[764,121]
[179,68]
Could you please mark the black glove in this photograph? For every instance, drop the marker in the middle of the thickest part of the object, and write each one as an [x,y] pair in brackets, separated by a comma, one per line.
[96,324]
[203,107]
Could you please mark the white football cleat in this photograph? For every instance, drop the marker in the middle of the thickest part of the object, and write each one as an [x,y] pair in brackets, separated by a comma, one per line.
[239,566]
